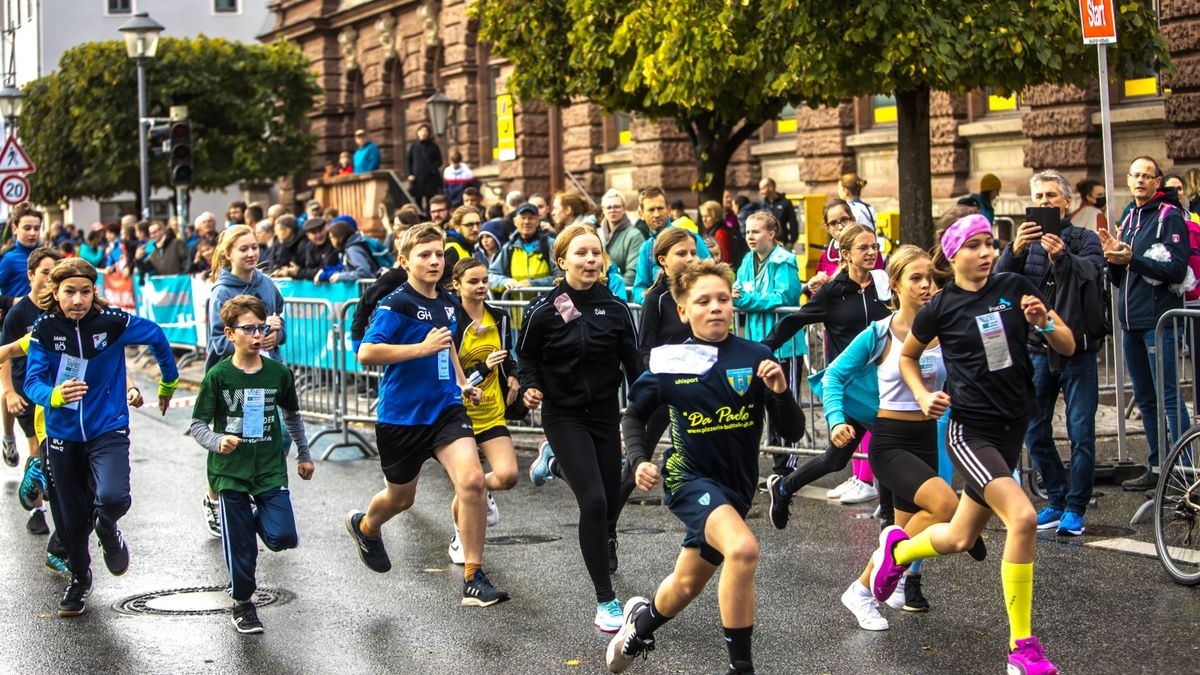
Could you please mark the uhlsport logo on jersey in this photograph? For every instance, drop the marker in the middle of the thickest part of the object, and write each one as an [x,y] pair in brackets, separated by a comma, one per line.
[100,340]
[739,379]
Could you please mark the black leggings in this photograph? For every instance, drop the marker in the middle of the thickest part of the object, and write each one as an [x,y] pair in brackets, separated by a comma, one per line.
[659,420]
[833,459]
[904,456]
[587,448]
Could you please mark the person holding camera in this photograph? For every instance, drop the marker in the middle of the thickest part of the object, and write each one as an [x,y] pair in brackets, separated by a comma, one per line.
[1065,263]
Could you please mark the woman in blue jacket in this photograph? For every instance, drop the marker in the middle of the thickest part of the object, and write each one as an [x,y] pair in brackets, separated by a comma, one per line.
[76,372]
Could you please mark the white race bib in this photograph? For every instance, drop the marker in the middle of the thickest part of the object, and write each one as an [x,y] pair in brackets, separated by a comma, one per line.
[995,344]
[71,367]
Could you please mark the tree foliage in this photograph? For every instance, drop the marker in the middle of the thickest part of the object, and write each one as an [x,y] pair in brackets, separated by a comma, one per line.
[248,105]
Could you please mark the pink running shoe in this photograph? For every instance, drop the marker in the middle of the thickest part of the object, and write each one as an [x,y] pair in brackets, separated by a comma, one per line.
[887,572]
[1030,659]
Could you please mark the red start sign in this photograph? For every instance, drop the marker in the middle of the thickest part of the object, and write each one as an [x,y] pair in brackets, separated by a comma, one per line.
[1099,22]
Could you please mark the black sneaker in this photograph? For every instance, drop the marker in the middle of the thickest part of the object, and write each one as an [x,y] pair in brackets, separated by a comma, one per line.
[245,618]
[626,645]
[612,553]
[75,596]
[978,550]
[116,552]
[1146,481]
[914,600]
[479,592]
[740,668]
[370,550]
[780,503]
[37,522]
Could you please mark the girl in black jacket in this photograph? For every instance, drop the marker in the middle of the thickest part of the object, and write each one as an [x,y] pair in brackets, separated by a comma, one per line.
[574,343]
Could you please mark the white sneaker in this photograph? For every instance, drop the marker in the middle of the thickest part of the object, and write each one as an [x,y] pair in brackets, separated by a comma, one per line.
[609,616]
[858,600]
[455,551]
[837,492]
[493,512]
[896,599]
[860,492]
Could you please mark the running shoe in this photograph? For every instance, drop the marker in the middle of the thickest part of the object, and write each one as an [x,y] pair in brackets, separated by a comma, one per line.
[455,550]
[10,451]
[116,552]
[864,607]
[608,616]
[740,668]
[33,484]
[370,550]
[212,516]
[1146,481]
[612,553]
[37,522]
[1071,524]
[1030,659]
[56,564]
[896,599]
[539,471]
[493,511]
[978,550]
[859,493]
[780,502]
[245,618]
[1048,517]
[914,600]
[479,592]
[626,645]
[837,492]
[887,571]
[75,595]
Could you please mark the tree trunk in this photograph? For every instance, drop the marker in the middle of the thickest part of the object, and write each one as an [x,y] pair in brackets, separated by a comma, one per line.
[912,158]
[713,145]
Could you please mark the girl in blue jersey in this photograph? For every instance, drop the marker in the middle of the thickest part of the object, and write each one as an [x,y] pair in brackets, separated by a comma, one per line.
[76,372]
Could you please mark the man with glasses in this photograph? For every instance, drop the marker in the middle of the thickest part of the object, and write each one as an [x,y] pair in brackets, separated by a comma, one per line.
[623,240]
[439,210]
[462,235]
[1148,263]
[1061,263]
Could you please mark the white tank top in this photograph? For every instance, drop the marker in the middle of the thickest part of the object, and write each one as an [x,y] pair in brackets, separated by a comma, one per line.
[893,393]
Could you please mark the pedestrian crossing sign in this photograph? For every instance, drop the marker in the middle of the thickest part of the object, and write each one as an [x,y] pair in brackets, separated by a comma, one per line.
[13,158]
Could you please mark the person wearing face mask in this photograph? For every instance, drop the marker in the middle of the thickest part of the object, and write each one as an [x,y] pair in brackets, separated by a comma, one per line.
[1090,213]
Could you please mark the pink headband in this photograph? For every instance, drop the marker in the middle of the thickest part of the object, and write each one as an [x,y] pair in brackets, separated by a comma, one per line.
[963,229]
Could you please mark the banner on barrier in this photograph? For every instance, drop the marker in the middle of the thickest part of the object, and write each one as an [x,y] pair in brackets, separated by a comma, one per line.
[118,290]
[167,301]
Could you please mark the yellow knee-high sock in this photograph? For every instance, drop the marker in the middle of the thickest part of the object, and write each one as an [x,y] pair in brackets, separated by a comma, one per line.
[919,547]
[1017,581]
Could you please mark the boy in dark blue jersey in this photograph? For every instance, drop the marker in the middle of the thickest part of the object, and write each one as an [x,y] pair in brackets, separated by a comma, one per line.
[421,413]
[717,387]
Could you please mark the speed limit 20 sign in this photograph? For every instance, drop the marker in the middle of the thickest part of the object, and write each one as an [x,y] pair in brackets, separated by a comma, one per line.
[14,189]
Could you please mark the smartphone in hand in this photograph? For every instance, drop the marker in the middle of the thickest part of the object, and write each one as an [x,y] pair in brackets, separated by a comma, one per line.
[1046,217]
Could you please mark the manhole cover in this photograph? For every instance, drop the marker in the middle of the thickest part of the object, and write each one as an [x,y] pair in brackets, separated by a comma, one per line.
[194,601]
[640,530]
[521,539]
[646,501]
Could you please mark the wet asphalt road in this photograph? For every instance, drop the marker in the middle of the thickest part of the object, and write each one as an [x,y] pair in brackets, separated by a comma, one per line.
[1096,611]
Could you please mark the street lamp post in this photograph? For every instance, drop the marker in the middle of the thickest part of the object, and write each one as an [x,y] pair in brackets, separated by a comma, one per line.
[141,43]
[440,109]
[11,99]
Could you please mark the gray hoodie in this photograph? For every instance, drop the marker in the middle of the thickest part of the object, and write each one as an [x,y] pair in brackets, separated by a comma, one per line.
[227,286]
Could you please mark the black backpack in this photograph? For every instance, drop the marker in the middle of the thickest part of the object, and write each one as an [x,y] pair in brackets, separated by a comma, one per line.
[1093,291]
[738,248]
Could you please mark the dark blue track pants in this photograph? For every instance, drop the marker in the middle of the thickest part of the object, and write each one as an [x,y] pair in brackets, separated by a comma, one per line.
[267,515]
[90,490]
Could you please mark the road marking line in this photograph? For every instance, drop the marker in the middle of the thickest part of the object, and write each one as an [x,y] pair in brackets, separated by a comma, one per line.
[1144,548]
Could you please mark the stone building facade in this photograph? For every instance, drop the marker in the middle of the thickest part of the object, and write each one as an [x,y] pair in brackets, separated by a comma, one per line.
[379,60]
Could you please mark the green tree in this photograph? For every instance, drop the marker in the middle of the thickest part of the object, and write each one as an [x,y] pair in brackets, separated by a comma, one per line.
[719,69]
[909,48]
[248,105]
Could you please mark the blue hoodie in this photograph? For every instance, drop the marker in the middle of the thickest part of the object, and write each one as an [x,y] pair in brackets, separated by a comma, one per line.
[849,387]
[14,270]
[777,284]
[99,339]
[227,286]
[647,267]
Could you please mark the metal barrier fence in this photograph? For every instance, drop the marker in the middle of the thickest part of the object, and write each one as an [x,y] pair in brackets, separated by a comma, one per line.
[1180,325]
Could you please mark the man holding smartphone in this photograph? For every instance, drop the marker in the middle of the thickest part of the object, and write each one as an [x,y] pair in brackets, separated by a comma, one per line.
[1066,264]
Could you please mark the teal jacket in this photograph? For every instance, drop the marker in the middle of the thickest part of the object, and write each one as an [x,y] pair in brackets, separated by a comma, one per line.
[849,387]
[777,284]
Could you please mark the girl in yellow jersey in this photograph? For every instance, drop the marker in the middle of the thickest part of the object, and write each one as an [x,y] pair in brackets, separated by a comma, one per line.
[483,339]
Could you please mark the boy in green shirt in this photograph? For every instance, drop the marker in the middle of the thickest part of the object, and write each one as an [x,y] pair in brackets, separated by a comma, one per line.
[246,464]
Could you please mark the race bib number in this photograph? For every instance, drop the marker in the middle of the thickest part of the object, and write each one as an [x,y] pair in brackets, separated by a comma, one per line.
[995,344]
[71,368]
[253,406]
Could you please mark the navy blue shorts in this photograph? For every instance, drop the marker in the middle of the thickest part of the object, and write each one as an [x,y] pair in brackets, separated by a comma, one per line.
[693,502]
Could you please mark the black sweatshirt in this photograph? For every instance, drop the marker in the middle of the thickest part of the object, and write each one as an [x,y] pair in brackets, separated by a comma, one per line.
[842,305]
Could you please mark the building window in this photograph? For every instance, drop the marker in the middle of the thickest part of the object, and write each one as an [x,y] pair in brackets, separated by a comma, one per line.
[624,132]
[997,103]
[119,6]
[225,6]
[786,122]
[883,109]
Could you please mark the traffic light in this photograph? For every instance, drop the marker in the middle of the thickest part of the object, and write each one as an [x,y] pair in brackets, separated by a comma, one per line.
[157,139]
[180,142]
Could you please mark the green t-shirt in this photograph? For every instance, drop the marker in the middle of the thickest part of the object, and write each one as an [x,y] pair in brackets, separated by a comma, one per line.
[237,403]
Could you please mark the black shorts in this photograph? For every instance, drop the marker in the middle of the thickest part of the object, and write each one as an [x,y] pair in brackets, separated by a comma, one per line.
[25,419]
[495,432]
[693,502]
[404,448]
[904,455]
[982,453]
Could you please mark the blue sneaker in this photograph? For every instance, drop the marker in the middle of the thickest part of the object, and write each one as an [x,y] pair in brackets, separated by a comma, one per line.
[539,471]
[1048,518]
[57,565]
[33,484]
[609,617]
[1071,524]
